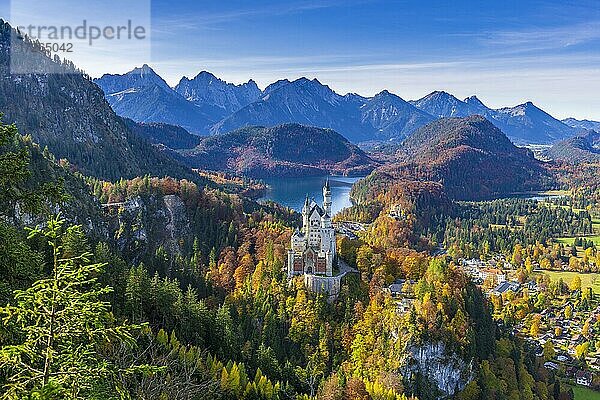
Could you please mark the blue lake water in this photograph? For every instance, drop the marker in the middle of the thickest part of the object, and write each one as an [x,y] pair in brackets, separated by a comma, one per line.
[291,192]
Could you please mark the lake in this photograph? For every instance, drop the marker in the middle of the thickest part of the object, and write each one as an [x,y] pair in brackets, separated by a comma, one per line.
[291,192]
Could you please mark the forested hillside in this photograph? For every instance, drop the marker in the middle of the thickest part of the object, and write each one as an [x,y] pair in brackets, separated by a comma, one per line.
[174,137]
[469,156]
[582,148]
[283,150]
[185,290]
[67,112]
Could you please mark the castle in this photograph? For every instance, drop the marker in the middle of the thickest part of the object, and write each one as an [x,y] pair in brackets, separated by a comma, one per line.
[313,247]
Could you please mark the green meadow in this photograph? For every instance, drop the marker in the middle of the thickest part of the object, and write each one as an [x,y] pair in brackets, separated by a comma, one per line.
[587,280]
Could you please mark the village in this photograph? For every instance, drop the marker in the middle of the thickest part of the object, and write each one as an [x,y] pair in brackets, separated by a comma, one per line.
[562,324]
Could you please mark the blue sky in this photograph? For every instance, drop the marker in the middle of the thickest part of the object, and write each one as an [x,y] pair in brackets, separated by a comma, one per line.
[505,52]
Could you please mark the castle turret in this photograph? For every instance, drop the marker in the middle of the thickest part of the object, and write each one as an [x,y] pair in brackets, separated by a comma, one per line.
[327,198]
[326,221]
[290,263]
[305,211]
[329,263]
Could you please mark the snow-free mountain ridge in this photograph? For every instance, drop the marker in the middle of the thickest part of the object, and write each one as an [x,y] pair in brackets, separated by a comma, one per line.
[206,105]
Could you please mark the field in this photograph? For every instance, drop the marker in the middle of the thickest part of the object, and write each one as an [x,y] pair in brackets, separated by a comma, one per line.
[583,393]
[595,229]
[587,280]
[570,240]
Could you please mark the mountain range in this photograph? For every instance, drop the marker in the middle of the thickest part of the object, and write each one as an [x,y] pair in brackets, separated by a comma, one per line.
[66,112]
[216,96]
[208,105]
[523,124]
[583,124]
[144,96]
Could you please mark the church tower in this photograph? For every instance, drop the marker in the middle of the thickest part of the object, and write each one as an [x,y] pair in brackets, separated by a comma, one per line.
[327,198]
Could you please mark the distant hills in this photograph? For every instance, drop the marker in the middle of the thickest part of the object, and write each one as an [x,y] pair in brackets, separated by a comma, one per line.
[581,148]
[583,124]
[208,105]
[194,104]
[284,150]
[67,112]
[523,124]
[470,156]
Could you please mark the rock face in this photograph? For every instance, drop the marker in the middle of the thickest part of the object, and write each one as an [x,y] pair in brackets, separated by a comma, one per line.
[211,93]
[445,371]
[142,224]
[323,284]
[177,222]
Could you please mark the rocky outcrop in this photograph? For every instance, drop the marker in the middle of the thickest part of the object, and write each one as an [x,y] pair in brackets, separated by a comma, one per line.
[444,370]
[177,222]
[144,223]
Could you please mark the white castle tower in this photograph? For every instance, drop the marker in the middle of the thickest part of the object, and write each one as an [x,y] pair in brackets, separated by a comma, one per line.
[313,247]
[327,198]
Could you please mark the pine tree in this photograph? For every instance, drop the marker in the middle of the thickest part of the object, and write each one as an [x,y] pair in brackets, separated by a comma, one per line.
[64,322]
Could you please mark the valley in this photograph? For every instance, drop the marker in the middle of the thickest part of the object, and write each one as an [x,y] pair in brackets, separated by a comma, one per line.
[215,240]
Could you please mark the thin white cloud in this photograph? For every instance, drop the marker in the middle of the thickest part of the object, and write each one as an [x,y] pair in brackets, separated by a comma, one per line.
[535,39]
[212,20]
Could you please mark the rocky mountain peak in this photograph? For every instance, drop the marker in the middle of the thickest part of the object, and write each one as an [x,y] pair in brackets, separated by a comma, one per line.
[137,78]
[215,95]
[474,100]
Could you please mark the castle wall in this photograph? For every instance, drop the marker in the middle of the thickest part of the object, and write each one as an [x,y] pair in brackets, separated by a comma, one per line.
[323,284]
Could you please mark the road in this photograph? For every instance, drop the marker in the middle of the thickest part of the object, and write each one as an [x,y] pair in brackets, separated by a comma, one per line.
[345,268]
